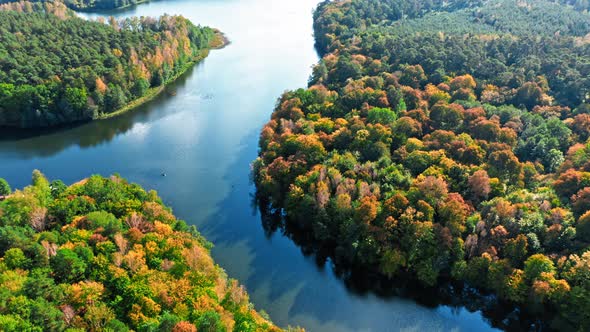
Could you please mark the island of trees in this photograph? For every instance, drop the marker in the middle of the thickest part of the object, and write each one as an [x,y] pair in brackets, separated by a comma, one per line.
[105,255]
[445,140]
[57,68]
[101,4]
[91,5]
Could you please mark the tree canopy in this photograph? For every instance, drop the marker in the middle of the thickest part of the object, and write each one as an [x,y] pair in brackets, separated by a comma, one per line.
[105,255]
[57,68]
[444,140]
[90,5]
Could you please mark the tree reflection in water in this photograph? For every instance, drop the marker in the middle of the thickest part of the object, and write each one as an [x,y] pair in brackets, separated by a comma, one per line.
[498,313]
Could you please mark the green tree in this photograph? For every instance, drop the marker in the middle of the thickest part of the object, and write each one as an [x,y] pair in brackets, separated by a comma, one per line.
[516,249]
[114,98]
[383,116]
[4,188]
[44,314]
[76,99]
[210,321]
[15,258]
[446,116]
[68,266]
[140,87]
[537,264]
[57,188]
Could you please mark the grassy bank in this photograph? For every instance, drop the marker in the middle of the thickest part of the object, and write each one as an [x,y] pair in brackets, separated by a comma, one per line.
[94,9]
[220,41]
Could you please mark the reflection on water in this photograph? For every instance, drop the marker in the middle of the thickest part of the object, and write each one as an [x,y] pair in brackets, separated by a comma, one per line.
[295,286]
[204,139]
[453,295]
[49,141]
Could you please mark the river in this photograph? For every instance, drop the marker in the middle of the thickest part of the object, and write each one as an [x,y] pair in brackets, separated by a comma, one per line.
[204,135]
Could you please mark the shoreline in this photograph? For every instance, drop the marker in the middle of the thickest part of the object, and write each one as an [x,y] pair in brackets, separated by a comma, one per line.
[211,290]
[94,9]
[219,42]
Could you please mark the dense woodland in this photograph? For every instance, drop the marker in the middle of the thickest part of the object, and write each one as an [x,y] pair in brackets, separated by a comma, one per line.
[105,255]
[504,43]
[90,5]
[101,4]
[445,140]
[57,68]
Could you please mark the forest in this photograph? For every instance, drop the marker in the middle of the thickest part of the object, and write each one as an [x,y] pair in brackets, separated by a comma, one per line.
[56,68]
[444,140]
[101,4]
[105,255]
[90,5]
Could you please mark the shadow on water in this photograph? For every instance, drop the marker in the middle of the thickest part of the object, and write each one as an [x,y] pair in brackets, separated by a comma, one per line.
[45,142]
[207,152]
[455,295]
[306,289]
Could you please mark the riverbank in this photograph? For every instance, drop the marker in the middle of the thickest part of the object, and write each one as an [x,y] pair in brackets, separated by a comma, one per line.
[376,177]
[206,146]
[95,9]
[54,51]
[142,246]
[220,41]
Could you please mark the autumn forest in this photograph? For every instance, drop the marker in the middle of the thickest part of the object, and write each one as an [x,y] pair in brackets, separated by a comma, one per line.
[57,68]
[445,141]
[438,159]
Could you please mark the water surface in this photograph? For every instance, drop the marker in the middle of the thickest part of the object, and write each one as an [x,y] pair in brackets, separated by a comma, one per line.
[204,139]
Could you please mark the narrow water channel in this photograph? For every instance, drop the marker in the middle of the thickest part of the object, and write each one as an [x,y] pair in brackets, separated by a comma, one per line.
[203,134]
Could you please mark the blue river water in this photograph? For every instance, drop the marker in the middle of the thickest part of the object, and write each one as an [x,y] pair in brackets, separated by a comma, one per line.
[203,135]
